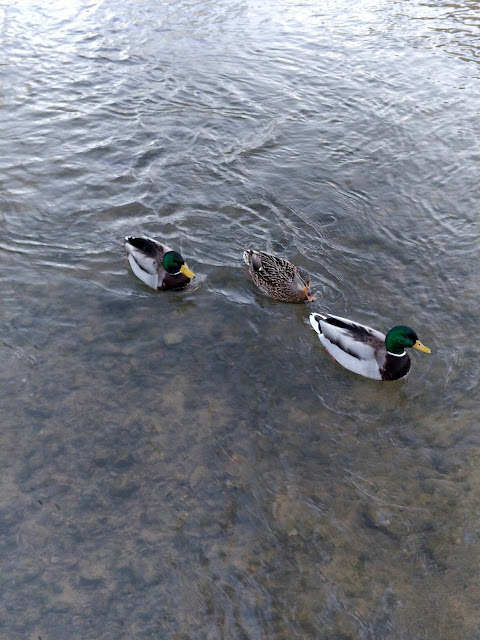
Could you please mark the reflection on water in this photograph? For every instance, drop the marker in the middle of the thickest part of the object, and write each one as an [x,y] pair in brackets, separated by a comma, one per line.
[192,464]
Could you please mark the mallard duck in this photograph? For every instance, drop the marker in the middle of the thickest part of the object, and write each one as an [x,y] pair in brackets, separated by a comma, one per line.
[364,350]
[156,264]
[278,277]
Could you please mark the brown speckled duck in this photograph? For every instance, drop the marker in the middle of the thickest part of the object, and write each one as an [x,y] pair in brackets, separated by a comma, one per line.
[364,350]
[156,264]
[278,277]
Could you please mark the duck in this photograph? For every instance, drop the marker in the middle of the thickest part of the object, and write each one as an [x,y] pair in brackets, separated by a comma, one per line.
[364,350]
[277,277]
[157,265]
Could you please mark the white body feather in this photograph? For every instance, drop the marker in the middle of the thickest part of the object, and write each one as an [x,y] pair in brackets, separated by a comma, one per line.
[142,272]
[364,362]
[148,268]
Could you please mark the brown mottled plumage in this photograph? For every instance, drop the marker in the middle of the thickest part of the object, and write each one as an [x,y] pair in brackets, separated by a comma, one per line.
[278,277]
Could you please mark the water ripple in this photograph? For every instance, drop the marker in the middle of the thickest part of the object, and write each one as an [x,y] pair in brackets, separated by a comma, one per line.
[192,463]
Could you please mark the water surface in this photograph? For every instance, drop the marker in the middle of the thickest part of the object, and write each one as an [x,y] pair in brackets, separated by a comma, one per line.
[192,465]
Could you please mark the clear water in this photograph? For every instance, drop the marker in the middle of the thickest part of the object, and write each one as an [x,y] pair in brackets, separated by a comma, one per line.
[192,465]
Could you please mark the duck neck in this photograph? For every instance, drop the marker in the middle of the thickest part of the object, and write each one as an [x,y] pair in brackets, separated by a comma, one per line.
[396,355]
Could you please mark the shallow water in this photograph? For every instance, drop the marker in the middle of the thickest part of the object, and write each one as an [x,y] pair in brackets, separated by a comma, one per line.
[192,465]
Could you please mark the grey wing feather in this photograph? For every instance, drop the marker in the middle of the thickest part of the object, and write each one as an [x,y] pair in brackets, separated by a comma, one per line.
[145,256]
[358,340]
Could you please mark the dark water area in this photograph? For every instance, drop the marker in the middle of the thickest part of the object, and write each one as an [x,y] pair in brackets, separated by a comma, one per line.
[191,465]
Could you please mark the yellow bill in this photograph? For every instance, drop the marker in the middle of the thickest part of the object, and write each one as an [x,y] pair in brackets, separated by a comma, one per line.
[186,271]
[421,347]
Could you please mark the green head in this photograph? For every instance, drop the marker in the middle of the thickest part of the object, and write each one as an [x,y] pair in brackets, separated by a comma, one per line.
[174,263]
[399,338]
